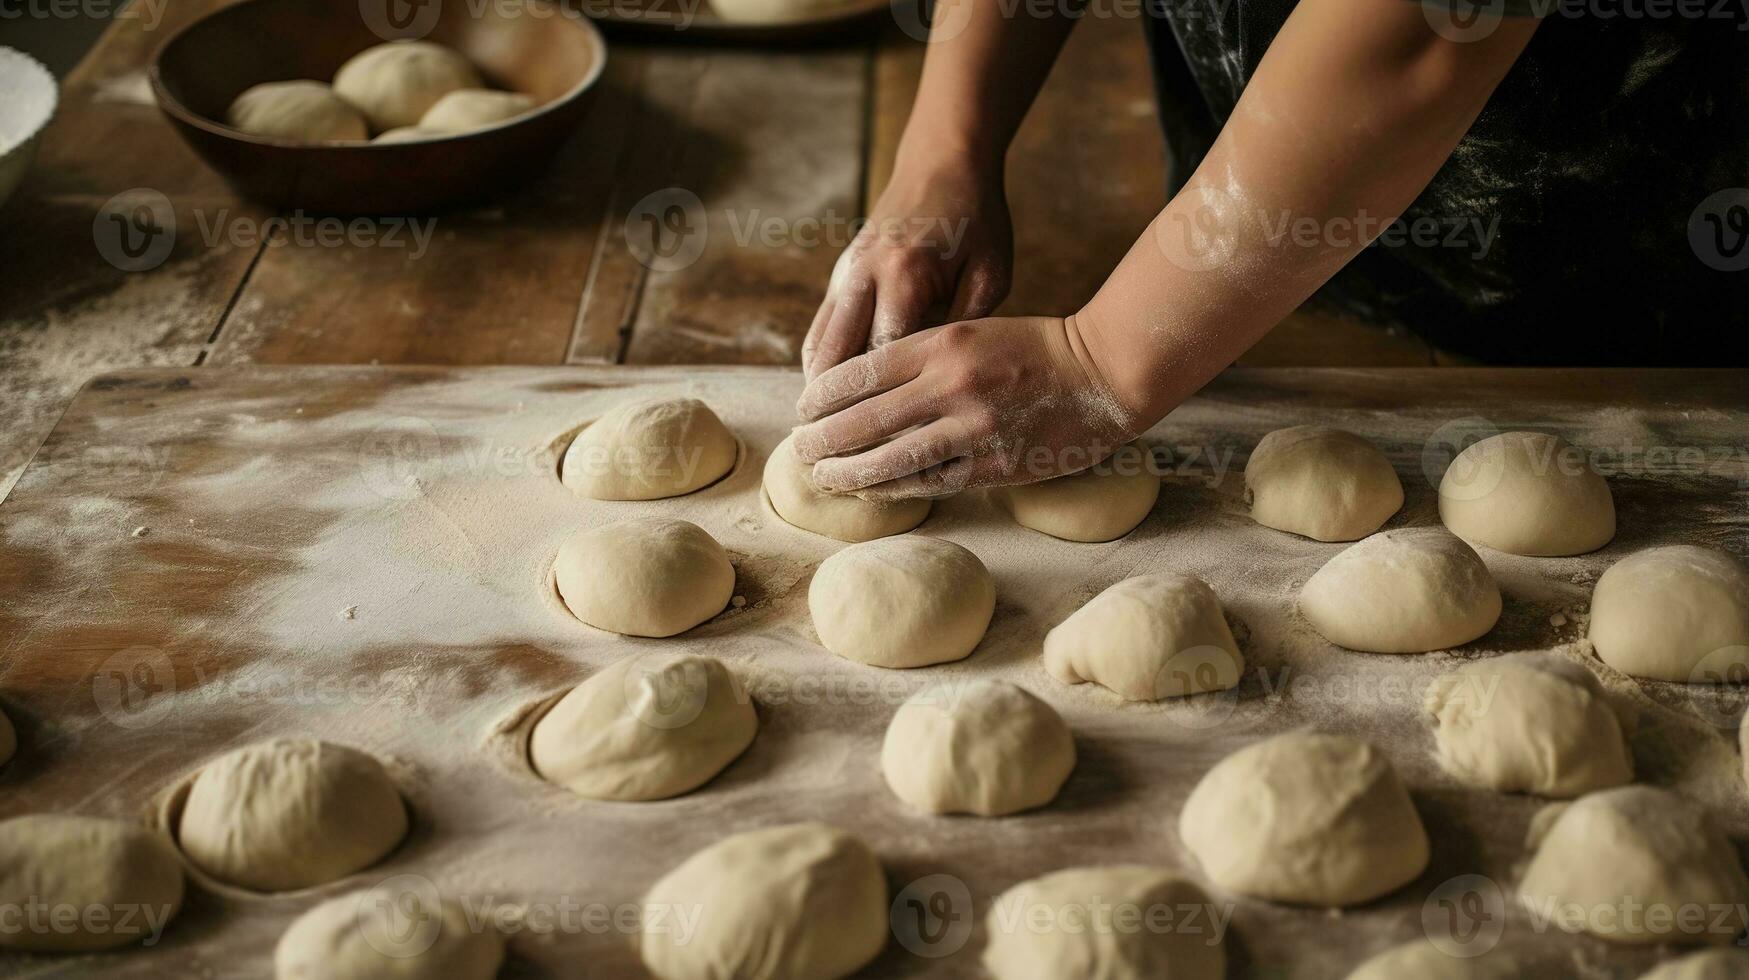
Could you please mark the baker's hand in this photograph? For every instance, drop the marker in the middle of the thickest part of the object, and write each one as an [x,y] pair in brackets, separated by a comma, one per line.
[937,247]
[975,403]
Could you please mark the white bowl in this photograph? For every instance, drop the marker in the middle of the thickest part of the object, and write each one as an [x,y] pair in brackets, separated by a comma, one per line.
[27,103]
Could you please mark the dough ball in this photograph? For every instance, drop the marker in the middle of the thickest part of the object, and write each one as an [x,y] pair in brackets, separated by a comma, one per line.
[1422,960]
[1677,613]
[775,11]
[75,884]
[798,901]
[405,134]
[1305,818]
[902,602]
[1410,590]
[1636,864]
[986,747]
[645,450]
[1711,964]
[789,485]
[1528,723]
[1102,503]
[648,576]
[374,935]
[8,739]
[468,109]
[291,813]
[1148,638]
[1321,483]
[646,728]
[300,110]
[1528,494]
[396,83]
[1093,922]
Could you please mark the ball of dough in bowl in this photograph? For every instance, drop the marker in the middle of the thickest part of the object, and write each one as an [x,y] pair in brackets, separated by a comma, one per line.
[984,747]
[1711,964]
[1305,818]
[1118,922]
[902,602]
[1410,590]
[1528,723]
[647,728]
[406,134]
[290,813]
[1148,638]
[1527,493]
[396,83]
[649,576]
[468,109]
[383,934]
[776,11]
[646,450]
[802,900]
[789,485]
[1636,864]
[97,884]
[1678,613]
[1421,960]
[1322,483]
[300,110]
[1101,503]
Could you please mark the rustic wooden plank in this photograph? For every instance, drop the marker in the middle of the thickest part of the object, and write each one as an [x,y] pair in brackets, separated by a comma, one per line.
[898,68]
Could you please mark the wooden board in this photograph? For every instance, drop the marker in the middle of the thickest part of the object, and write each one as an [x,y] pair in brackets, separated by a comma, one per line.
[202,559]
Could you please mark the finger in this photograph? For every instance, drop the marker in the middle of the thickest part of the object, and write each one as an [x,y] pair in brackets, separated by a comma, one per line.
[846,333]
[913,452]
[861,377]
[865,424]
[899,311]
[982,287]
[817,329]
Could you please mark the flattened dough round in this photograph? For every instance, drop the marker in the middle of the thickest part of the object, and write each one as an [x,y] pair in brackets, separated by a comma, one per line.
[467,109]
[396,83]
[1409,590]
[375,935]
[987,747]
[908,601]
[646,728]
[1305,818]
[789,485]
[95,884]
[1322,483]
[647,450]
[1527,493]
[1148,638]
[648,576]
[298,110]
[1101,503]
[1710,964]
[1093,922]
[1421,960]
[1678,613]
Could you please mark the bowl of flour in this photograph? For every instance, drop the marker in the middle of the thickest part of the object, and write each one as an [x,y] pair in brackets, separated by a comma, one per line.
[27,106]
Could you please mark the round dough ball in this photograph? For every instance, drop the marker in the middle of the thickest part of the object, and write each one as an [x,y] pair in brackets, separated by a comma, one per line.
[775,11]
[468,109]
[76,884]
[789,485]
[784,903]
[1527,493]
[649,576]
[1148,638]
[1305,818]
[646,450]
[646,728]
[1528,723]
[373,935]
[1678,613]
[1636,864]
[1101,503]
[8,739]
[291,813]
[406,134]
[1322,483]
[1083,922]
[1410,590]
[300,110]
[987,748]
[1711,964]
[902,602]
[396,83]
[1422,960]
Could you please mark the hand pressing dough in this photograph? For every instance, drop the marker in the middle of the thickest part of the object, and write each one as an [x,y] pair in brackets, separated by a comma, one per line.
[300,110]
[648,576]
[396,83]
[789,485]
[469,109]
[291,813]
[902,602]
[96,884]
[1093,922]
[1321,483]
[646,450]
[985,747]
[1305,818]
[1421,960]
[1711,964]
[1529,723]
[646,728]
[1102,503]
[1677,613]
[1527,493]
[1636,846]
[1410,590]
[8,739]
[1148,638]
[369,935]
[785,903]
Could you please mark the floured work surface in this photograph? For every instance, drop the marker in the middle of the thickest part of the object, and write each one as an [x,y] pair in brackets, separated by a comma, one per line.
[197,560]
